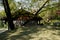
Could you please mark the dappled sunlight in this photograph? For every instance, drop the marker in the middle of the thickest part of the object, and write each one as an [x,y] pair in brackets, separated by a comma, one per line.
[32,33]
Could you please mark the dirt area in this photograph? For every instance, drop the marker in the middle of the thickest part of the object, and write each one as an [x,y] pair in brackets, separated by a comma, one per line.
[32,33]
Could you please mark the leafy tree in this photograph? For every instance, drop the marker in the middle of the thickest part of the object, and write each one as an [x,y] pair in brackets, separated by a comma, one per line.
[49,11]
[2,14]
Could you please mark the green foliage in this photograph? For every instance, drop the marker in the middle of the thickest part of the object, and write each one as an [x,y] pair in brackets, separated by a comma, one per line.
[3,25]
[12,5]
[34,1]
[2,14]
[48,13]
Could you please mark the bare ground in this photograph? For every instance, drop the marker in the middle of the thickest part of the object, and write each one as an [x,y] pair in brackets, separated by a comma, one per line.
[32,33]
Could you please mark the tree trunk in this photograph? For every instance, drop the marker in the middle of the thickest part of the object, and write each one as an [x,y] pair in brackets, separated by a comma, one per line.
[8,14]
[41,8]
